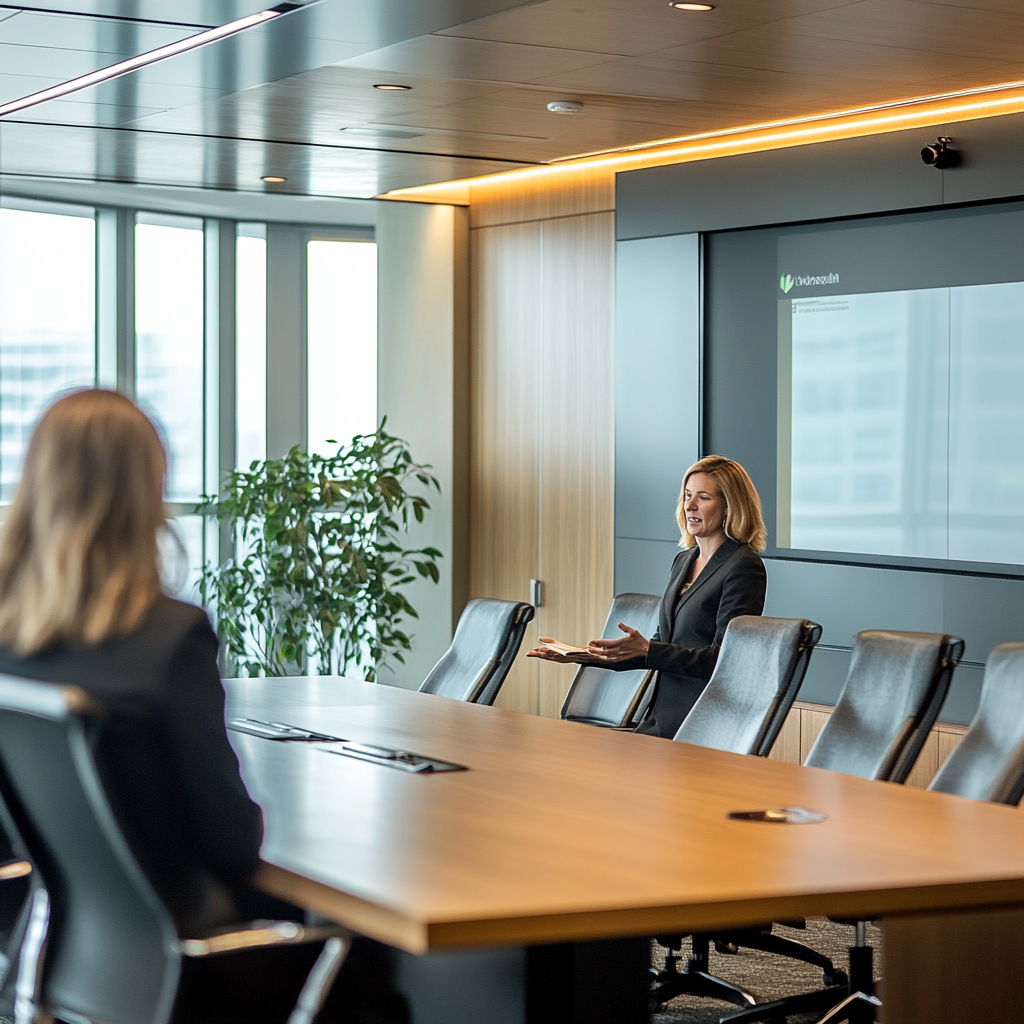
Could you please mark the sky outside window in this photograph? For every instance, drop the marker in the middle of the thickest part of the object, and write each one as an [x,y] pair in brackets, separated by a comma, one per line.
[342,340]
[47,321]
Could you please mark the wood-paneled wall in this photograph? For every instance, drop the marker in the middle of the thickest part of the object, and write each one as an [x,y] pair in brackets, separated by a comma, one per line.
[542,416]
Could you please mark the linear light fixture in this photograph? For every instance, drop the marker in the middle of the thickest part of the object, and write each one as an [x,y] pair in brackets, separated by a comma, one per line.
[124,67]
[965,105]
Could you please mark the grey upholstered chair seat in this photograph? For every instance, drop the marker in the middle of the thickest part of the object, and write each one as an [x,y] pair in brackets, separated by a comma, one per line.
[756,679]
[486,642]
[988,763]
[599,696]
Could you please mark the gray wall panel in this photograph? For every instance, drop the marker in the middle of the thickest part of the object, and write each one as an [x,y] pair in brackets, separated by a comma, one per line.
[825,676]
[828,179]
[657,381]
[984,611]
[847,598]
[992,163]
[642,566]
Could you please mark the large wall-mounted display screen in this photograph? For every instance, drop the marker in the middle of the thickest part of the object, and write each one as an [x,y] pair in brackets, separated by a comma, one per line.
[900,385]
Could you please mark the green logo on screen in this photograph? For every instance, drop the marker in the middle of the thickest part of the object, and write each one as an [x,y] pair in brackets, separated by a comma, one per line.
[786,282]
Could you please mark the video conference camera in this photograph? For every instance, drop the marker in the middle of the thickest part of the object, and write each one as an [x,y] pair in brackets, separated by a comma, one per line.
[939,155]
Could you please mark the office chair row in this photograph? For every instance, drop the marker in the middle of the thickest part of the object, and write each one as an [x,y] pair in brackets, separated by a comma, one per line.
[895,688]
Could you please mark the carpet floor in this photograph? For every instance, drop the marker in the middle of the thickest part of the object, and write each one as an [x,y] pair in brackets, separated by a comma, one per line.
[765,975]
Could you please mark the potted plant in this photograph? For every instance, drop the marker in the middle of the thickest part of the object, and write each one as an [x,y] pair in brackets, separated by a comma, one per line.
[318,566]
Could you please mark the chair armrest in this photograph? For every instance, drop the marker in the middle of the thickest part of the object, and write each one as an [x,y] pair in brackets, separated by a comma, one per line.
[261,933]
[14,869]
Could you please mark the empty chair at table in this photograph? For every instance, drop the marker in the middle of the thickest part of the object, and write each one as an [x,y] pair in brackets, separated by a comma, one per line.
[759,671]
[602,697]
[894,691]
[988,763]
[486,642]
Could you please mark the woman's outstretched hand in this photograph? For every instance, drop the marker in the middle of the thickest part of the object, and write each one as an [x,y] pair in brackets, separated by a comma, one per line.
[624,648]
[583,658]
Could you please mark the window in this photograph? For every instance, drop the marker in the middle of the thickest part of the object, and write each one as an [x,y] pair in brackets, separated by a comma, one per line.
[251,344]
[47,318]
[169,342]
[342,341]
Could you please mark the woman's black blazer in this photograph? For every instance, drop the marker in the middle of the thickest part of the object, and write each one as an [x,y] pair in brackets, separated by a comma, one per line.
[691,627]
[164,754]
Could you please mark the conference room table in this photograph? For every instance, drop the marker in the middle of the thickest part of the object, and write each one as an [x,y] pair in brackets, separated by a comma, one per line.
[563,833]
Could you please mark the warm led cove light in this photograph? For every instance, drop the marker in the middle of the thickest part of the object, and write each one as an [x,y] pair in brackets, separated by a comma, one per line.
[124,67]
[274,179]
[385,87]
[858,122]
[691,7]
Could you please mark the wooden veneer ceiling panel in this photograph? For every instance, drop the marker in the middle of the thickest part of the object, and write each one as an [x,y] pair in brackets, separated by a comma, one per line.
[628,29]
[954,31]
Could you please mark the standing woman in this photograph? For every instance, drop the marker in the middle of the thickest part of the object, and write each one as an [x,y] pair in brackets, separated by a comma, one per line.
[717,576]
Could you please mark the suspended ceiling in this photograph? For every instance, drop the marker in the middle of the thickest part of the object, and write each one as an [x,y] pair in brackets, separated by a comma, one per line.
[295,97]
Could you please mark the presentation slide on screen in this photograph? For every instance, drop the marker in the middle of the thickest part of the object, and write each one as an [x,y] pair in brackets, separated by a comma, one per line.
[901,390]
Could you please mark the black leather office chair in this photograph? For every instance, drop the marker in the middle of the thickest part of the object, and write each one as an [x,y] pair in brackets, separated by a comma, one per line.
[988,763]
[756,679]
[599,696]
[894,691]
[486,642]
[99,944]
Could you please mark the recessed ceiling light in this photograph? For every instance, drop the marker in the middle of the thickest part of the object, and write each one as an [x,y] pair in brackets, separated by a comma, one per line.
[565,107]
[385,87]
[274,179]
[690,7]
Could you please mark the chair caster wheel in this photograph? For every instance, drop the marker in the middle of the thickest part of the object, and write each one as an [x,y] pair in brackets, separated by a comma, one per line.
[729,948]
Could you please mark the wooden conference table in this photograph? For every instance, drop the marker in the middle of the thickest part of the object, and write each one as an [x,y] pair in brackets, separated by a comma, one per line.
[561,832]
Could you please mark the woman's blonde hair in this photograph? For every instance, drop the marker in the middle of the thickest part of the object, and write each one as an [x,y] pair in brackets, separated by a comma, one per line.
[743,521]
[78,553]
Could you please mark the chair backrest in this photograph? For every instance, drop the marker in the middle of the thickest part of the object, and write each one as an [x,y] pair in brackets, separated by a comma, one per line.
[111,949]
[486,642]
[892,696]
[599,696]
[756,679]
[988,763]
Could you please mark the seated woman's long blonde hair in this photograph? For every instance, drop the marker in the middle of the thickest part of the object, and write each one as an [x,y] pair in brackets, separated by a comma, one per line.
[79,562]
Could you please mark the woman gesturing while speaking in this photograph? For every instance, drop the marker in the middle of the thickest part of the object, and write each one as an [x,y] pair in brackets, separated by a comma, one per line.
[717,576]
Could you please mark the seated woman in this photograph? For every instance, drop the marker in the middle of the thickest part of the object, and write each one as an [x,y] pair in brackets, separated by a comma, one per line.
[81,603]
[717,576]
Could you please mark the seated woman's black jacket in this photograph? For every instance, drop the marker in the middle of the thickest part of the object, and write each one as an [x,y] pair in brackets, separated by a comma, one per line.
[168,769]
[691,627]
